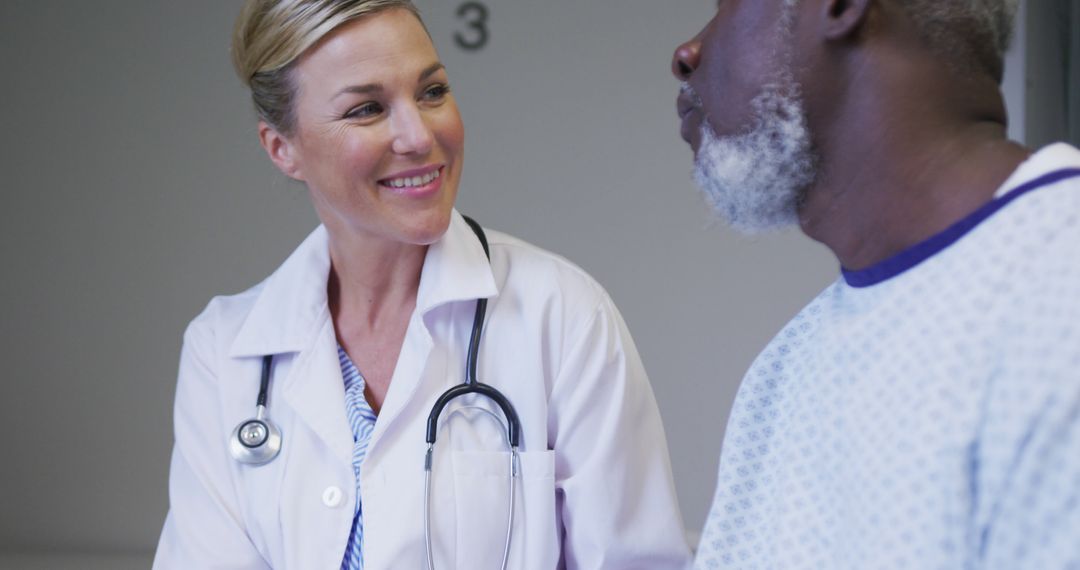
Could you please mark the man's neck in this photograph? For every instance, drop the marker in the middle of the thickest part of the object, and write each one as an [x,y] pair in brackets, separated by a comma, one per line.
[905,173]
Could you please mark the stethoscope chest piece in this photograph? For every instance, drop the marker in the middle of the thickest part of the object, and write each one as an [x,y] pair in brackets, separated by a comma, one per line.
[257,441]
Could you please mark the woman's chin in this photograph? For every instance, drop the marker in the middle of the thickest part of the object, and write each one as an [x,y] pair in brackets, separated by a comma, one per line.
[426,230]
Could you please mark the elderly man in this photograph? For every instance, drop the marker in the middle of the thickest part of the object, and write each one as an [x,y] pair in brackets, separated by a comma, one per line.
[924,410]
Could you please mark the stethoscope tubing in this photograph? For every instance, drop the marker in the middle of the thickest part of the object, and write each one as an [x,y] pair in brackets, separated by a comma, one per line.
[472,386]
[513,423]
[515,473]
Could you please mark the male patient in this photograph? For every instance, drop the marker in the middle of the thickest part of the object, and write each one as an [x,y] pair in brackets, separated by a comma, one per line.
[924,410]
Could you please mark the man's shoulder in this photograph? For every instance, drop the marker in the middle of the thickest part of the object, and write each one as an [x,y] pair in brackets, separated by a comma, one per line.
[798,336]
[1039,219]
[1053,171]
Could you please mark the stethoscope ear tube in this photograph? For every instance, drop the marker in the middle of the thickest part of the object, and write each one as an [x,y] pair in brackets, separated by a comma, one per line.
[515,472]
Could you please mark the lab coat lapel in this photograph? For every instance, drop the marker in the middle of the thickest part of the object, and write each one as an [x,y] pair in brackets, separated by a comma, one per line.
[411,365]
[316,391]
[291,315]
[455,269]
[291,303]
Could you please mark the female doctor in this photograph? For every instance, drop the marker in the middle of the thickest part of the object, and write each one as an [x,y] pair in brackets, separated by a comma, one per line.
[369,321]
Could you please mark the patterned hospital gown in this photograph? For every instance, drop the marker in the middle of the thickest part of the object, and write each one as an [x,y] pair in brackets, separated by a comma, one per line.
[925,412]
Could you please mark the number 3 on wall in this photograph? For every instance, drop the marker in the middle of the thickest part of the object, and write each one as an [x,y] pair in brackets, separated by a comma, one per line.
[475,16]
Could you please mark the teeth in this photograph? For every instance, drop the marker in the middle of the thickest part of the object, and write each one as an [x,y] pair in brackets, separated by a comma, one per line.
[414,180]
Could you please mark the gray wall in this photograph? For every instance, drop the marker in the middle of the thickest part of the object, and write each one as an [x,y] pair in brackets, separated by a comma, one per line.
[136,190]
[1052,71]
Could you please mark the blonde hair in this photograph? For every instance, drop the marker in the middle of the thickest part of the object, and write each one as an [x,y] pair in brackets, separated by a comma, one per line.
[270,35]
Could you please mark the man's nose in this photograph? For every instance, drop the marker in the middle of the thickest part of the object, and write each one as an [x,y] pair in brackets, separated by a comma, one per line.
[686,59]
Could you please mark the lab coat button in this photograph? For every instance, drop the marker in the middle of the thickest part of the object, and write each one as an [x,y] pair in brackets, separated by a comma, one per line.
[332,496]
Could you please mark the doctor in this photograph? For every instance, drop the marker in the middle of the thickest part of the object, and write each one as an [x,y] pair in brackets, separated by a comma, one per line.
[369,321]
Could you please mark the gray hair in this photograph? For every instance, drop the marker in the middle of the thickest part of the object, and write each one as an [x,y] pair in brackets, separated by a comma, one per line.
[973,34]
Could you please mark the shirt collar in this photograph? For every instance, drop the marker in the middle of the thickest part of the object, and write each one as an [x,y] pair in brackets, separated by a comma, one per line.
[1048,166]
[455,269]
[292,301]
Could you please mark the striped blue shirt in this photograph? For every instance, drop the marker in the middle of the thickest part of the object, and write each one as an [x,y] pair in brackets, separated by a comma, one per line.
[362,421]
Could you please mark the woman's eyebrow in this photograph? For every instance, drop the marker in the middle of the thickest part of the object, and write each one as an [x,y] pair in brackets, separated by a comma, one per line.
[431,69]
[369,88]
[364,89]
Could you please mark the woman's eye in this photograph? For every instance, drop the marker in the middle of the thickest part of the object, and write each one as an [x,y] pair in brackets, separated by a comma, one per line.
[364,111]
[436,92]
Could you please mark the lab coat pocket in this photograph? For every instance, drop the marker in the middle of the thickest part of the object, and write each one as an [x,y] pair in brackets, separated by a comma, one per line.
[482,491]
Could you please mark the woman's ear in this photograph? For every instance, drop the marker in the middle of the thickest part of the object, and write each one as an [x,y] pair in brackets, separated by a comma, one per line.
[842,19]
[281,151]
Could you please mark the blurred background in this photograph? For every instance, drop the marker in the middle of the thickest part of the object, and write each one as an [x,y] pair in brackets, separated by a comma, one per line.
[135,190]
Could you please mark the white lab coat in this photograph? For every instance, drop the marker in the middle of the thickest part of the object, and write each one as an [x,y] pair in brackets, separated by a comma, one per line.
[596,490]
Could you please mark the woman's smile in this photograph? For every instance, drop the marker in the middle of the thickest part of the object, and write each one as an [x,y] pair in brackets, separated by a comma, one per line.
[415,183]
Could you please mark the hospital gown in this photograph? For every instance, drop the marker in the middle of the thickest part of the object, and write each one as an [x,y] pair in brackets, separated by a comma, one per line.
[924,412]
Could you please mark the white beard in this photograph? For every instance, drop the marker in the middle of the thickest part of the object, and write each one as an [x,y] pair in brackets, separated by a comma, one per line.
[755,180]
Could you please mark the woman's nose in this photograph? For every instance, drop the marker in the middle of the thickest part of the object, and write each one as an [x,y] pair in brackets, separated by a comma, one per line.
[412,135]
[686,59]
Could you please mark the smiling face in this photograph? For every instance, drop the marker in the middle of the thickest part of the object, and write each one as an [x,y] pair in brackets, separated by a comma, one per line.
[742,114]
[378,139]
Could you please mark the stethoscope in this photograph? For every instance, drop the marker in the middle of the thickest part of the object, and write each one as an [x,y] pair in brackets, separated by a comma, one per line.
[257,441]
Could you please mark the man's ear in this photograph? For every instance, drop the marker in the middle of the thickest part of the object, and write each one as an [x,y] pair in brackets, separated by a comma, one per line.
[280,150]
[842,19]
